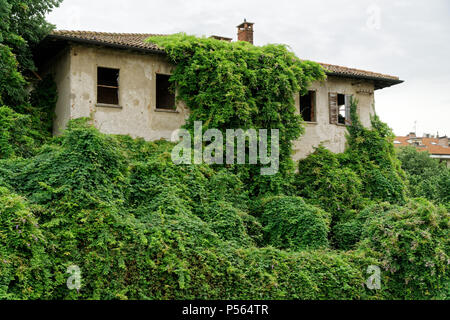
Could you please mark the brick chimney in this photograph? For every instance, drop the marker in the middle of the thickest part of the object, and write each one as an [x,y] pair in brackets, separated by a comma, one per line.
[245,31]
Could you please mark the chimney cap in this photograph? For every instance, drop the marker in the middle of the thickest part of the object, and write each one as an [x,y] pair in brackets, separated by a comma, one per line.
[242,25]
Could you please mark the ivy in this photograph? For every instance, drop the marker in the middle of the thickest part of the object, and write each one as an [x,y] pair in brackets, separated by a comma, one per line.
[238,85]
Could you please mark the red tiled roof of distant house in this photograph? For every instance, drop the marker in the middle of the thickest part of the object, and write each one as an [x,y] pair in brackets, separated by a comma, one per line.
[428,144]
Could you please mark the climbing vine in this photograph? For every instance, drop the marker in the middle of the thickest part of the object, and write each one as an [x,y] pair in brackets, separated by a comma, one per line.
[238,85]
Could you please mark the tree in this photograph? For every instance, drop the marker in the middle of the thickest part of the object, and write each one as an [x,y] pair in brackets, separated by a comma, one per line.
[427,177]
[22,26]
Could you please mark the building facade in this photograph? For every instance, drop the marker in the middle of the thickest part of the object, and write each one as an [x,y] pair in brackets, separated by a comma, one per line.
[122,83]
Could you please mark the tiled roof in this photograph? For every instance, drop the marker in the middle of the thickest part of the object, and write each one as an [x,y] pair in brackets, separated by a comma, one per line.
[137,41]
[131,40]
[428,144]
[355,72]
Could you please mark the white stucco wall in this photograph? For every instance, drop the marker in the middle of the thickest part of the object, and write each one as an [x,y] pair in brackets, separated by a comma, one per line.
[76,76]
[137,115]
[332,136]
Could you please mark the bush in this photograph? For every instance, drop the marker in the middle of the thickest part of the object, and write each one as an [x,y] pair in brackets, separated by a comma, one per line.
[290,223]
[348,230]
[16,137]
[24,263]
[81,169]
[323,181]
[412,244]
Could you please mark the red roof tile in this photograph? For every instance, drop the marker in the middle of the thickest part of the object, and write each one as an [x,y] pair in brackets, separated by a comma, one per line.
[427,143]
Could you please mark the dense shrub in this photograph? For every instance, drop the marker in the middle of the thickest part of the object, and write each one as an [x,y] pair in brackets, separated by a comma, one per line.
[163,245]
[16,137]
[348,230]
[372,156]
[290,223]
[24,263]
[325,182]
[412,244]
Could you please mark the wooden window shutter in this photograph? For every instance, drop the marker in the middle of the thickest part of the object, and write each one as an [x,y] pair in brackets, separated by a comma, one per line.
[348,103]
[334,110]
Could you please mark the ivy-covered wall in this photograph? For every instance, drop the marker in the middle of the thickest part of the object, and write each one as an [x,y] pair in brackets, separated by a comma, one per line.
[76,75]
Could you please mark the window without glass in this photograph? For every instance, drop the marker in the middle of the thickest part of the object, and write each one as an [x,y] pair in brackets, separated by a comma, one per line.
[339,108]
[165,97]
[308,106]
[342,115]
[108,86]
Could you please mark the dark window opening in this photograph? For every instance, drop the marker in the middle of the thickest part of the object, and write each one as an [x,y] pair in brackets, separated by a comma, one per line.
[308,106]
[342,115]
[108,86]
[165,97]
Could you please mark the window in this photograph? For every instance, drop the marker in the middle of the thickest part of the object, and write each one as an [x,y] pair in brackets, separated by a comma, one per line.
[342,115]
[165,97]
[108,86]
[308,106]
[339,108]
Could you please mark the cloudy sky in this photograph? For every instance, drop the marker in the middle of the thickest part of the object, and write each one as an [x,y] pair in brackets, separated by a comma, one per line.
[406,38]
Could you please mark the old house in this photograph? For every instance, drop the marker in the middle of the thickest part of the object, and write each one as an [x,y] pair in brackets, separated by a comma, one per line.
[122,82]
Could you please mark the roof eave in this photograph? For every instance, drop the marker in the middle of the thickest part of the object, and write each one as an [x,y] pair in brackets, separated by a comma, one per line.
[104,44]
[380,83]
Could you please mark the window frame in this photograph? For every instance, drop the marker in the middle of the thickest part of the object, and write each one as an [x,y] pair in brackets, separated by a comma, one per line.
[117,88]
[173,109]
[313,107]
[335,108]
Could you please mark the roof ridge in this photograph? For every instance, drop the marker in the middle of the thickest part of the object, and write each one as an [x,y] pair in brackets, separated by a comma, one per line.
[105,33]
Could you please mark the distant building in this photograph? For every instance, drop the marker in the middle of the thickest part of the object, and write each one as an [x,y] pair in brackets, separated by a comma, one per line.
[438,147]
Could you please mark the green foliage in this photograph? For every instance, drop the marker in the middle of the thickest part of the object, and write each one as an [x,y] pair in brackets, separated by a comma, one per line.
[83,170]
[372,156]
[238,85]
[290,223]
[23,25]
[167,243]
[16,135]
[367,171]
[24,264]
[140,227]
[427,177]
[325,182]
[412,244]
[349,228]
[12,83]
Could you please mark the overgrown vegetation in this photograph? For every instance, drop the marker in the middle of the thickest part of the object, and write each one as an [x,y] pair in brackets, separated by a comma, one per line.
[427,177]
[141,227]
[238,85]
[25,120]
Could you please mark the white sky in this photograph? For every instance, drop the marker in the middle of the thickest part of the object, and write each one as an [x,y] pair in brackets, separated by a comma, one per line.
[406,38]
